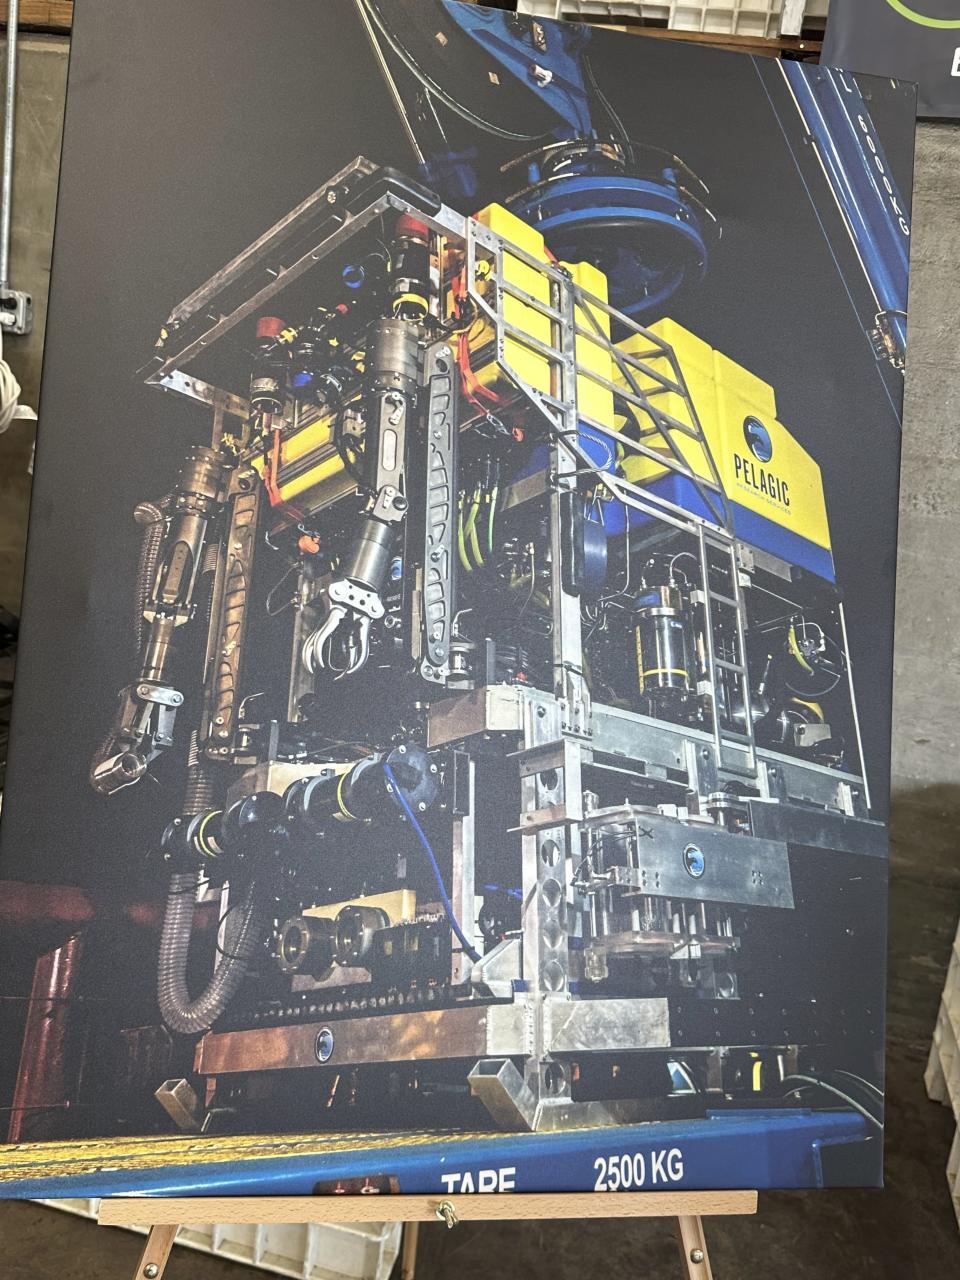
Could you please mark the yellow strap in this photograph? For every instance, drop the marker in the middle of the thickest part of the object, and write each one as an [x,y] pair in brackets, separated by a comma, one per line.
[351,817]
[202,844]
[416,298]
[795,649]
[815,707]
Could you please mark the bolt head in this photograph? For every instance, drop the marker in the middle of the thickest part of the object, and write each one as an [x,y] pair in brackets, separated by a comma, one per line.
[151,1271]
[696,1255]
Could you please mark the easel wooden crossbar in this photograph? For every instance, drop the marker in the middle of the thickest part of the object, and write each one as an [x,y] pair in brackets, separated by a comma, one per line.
[165,1216]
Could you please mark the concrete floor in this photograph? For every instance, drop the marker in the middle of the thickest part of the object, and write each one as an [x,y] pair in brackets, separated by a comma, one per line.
[905,1231]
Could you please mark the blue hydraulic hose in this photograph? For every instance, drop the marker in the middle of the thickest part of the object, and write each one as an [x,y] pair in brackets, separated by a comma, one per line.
[404,805]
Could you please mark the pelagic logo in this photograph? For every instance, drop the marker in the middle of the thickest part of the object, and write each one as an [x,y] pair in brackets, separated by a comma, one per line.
[759,478]
[758,439]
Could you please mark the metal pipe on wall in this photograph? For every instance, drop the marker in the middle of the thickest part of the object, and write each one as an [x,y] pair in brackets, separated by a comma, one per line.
[9,113]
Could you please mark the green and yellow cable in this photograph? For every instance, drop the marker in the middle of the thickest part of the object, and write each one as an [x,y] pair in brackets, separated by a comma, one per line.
[461,544]
[470,530]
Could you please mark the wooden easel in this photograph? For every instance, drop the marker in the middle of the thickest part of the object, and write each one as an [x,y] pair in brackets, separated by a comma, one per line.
[166,1216]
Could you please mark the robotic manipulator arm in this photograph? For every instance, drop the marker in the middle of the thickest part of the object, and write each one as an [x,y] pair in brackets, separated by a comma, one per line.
[167,579]
[354,597]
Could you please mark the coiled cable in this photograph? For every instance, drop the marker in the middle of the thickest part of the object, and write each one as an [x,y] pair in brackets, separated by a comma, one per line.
[9,395]
[180,1012]
[149,515]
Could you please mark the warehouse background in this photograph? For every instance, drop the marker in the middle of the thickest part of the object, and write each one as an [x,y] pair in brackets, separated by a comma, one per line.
[908,1230]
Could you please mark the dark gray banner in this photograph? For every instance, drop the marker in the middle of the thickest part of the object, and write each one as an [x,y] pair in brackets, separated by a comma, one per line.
[915,40]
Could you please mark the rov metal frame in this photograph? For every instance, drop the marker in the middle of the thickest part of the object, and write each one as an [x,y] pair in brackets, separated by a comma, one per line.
[561,411]
[559,729]
[264,269]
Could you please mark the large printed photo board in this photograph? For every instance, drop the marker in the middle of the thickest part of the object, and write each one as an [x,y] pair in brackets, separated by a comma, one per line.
[451,737]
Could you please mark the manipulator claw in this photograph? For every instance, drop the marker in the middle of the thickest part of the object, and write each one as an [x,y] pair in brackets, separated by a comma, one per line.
[353,603]
[351,610]
[143,727]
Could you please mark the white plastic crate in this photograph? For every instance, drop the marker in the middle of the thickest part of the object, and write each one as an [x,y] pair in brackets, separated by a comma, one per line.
[362,1251]
[942,1076]
[724,17]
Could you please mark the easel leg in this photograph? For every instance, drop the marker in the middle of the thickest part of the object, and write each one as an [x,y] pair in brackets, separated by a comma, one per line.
[693,1248]
[408,1250]
[156,1251]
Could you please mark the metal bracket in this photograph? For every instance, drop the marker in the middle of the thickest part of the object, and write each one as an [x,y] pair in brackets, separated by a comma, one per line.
[542,819]
[439,560]
[498,1084]
[186,384]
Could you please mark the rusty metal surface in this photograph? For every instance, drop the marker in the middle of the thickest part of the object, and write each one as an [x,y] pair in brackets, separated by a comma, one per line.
[43,1081]
[474,1032]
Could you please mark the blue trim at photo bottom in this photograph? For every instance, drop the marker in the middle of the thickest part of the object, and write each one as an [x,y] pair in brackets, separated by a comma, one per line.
[781,1149]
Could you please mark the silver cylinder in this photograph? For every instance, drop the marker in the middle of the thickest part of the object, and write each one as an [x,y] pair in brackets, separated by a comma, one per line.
[355,929]
[306,945]
[393,357]
[370,555]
